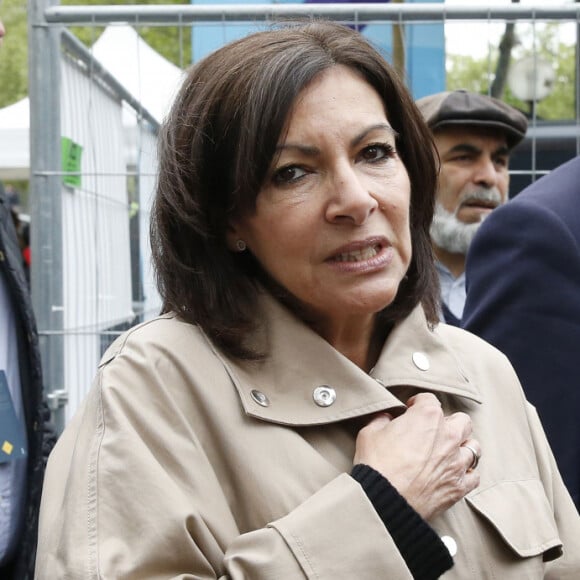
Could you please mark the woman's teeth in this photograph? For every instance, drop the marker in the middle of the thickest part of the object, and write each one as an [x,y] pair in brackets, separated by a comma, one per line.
[357,256]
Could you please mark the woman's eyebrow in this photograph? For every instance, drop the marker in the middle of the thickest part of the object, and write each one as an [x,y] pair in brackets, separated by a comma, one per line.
[377,127]
[306,150]
[310,151]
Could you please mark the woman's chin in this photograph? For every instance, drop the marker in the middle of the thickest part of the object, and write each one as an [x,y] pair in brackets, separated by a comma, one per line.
[361,305]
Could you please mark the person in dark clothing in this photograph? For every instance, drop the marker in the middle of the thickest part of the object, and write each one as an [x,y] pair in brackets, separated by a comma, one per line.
[23,413]
[26,436]
[523,296]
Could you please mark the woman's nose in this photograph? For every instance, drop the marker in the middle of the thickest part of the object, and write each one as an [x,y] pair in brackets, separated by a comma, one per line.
[350,200]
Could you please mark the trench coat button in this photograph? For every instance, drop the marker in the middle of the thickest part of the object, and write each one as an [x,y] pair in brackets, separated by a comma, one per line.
[421,361]
[450,544]
[260,398]
[324,396]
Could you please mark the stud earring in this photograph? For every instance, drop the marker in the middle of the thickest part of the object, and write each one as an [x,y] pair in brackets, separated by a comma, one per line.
[241,245]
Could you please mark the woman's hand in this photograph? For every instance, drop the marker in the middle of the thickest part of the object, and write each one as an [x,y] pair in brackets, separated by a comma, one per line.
[424,455]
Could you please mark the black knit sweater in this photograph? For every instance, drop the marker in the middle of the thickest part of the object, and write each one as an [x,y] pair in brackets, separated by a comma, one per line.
[424,553]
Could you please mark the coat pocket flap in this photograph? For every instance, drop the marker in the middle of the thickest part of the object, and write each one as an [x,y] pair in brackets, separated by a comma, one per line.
[521,514]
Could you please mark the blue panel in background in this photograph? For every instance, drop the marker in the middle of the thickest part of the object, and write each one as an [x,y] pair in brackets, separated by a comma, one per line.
[424,43]
[206,38]
[425,56]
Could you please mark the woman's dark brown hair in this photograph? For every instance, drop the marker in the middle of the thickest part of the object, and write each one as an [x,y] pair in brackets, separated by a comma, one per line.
[217,146]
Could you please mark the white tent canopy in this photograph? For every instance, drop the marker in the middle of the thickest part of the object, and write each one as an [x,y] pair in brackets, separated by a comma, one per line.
[14,141]
[144,73]
[147,75]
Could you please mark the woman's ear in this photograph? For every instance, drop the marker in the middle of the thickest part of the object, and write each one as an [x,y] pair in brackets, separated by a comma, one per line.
[234,239]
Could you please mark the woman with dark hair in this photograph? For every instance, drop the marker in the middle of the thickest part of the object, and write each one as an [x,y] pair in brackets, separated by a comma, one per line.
[297,411]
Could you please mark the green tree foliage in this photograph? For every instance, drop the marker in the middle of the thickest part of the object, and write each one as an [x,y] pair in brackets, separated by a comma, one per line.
[560,103]
[477,74]
[174,43]
[466,72]
[14,52]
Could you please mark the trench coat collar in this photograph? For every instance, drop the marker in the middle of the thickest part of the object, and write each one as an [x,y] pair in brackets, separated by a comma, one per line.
[283,388]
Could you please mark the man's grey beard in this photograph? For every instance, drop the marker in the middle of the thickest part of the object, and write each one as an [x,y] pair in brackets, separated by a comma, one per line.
[455,236]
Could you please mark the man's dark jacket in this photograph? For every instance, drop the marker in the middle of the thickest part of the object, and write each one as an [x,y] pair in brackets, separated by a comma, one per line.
[40,436]
[523,296]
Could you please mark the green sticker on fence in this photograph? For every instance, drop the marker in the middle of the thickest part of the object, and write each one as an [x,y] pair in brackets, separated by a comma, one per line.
[71,154]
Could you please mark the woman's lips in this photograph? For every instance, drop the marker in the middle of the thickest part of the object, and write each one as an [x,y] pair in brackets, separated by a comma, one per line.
[358,255]
[364,256]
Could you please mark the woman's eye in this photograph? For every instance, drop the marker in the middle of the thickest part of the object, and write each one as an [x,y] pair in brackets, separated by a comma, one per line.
[288,174]
[377,152]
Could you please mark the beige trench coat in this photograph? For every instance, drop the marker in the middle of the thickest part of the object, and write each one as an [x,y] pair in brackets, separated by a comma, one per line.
[185,464]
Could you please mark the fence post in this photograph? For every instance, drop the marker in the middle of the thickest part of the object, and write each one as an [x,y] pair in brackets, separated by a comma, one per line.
[46,205]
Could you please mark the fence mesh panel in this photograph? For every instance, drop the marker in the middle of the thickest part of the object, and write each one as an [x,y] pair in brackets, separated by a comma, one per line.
[107,279]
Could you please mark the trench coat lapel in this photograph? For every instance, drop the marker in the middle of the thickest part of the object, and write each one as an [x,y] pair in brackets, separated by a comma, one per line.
[283,387]
[415,355]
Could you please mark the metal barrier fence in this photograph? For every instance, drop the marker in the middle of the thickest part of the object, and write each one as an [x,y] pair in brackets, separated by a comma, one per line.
[91,276]
[91,182]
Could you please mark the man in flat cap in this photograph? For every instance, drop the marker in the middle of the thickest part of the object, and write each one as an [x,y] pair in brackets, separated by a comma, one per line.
[474,135]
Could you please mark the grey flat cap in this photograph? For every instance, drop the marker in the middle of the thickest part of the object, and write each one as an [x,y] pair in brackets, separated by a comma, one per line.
[472,109]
